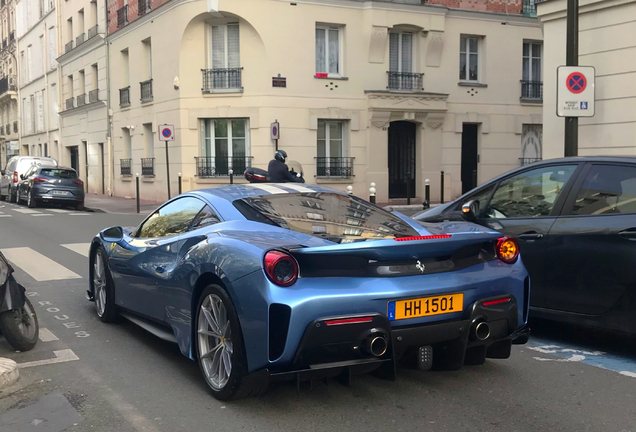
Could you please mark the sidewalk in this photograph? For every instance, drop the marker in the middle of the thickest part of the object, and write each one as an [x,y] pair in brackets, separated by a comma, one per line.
[110,204]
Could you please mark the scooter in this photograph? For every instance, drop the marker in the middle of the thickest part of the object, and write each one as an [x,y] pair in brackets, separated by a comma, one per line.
[18,322]
[257,175]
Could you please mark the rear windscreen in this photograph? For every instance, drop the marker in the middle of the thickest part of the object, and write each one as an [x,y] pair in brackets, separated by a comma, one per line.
[336,217]
[59,173]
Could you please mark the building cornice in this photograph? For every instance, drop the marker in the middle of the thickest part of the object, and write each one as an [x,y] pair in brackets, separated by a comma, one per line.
[84,48]
[84,108]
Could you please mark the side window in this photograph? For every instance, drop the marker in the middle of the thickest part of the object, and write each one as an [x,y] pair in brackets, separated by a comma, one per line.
[607,189]
[29,172]
[172,219]
[529,194]
[206,217]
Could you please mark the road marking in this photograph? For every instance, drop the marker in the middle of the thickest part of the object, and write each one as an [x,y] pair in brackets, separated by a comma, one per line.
[79,214]
[80,248]
[59,210]
[25,210]
[47,335]
[4,215]
[38,266]
[298,188]
[61,356]
[42,214]
[268,188]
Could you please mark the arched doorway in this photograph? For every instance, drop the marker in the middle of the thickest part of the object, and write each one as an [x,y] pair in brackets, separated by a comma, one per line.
[402,136]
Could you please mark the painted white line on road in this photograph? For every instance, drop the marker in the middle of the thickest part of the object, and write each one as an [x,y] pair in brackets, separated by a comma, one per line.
[38,266]
[61,356]
[79,214]
[5,215]
[47,335]
[80,248]
[59,210]
[25,210]
[42,214]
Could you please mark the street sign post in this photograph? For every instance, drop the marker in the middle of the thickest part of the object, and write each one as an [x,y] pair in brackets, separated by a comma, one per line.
[166,133]
[575,91]
[275,132]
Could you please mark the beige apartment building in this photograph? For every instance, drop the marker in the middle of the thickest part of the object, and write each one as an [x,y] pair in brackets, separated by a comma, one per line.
[9,111]
[607,41]
[83,77]
[391,92]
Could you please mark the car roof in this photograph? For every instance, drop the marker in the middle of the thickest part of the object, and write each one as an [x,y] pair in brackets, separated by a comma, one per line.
[57,167]
[626,158]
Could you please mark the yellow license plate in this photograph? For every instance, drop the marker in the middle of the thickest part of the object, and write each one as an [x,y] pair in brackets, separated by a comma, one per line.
[425,306]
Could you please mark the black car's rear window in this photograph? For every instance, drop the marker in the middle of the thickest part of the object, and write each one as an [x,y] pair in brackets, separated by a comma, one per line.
[336,217]
[59,173]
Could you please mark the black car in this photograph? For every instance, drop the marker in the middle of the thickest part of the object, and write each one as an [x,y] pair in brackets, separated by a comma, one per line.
[575,219]
[59,185]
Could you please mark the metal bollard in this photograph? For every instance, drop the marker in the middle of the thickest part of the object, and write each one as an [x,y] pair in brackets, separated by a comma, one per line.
[231,176]
[350,190]
[441,199]
[372,193]
[408,188]
[137,189]
[474,185]
[427,194]
[179,183]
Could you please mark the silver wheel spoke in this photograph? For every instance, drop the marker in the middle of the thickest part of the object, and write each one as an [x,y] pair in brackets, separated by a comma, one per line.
[229,346]
[212,352]
[214,344]
[211,321]
[210,333]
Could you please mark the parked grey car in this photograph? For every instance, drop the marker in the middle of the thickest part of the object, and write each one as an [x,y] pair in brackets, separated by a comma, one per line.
[58,185]
[16,166]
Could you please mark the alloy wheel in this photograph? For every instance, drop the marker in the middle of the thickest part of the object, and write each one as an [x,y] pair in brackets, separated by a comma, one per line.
[215,342]
[99,285]
[29,198]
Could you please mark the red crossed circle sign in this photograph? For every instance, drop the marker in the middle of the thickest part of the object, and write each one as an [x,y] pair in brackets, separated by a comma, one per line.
[166,132]
[576,82]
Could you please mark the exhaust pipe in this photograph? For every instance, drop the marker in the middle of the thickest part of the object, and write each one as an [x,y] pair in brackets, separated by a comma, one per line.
[376,345]
[482,331]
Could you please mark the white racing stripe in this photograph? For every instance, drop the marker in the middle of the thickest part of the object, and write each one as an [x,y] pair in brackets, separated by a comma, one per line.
[268,188]
[298,188]
[80,248]
[38,266]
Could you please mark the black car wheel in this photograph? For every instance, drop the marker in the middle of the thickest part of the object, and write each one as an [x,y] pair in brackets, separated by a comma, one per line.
[12,195]
[79,206]
[103,289]
[20,327]
[219,343]
[31,202]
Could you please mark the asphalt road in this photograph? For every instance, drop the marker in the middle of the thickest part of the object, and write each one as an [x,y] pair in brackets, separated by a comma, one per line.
[119,378]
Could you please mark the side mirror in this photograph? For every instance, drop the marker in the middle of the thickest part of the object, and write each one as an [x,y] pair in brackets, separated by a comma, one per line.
[1,172]
[470,210]
[21,176]
[113,234]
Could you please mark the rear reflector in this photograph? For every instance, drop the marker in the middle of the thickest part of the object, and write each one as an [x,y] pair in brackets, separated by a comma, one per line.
[494,302]
[429,237]
[349,321]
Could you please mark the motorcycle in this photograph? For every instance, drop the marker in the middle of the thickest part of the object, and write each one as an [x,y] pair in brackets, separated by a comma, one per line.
[18,322]
[257,175]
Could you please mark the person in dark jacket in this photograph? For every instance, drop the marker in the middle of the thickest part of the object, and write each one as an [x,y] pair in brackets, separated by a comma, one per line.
[278,170]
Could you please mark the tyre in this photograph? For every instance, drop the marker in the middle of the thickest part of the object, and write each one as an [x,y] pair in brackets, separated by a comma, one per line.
[2,197]
[31,202]
[103,289]
[12,196]
[20,327]
[219,343]
[80,206]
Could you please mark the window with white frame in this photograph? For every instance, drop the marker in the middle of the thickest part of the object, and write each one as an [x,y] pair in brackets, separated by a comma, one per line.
[401,52]
[469,58]
[532,61]
[225,146]
[328,51]
[332,158]
[224,60]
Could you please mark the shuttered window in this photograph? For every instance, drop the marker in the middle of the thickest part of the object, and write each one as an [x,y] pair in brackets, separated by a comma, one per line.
[401,52]
[52,50]
[39,98]
[54,108]
[225,46]
[29,66]
[328,48]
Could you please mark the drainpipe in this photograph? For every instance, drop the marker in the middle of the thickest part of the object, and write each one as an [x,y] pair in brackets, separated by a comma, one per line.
[109,139]
[58,87]
[46,106]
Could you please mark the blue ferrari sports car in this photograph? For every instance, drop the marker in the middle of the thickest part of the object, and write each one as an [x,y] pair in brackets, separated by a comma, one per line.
[268,282]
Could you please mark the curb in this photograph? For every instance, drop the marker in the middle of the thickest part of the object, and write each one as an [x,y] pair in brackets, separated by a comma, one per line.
[9,372]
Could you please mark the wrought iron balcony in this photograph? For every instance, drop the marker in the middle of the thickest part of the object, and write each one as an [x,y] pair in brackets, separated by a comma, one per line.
[68,47]
[529,8]
[69,103]
[146,90]
[92,32]
[12,36]
[125,167]
[143,7]
[528,161]
[220,166]
[532,90]
[124,97]
[8,83]
[122,16]
[221,79]
[81,100]
[330,167]
[408,81]
[80,40]
[148,166]
[93,96]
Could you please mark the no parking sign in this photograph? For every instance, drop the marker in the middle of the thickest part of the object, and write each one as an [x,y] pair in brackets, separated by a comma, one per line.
[166,132]
[575,91]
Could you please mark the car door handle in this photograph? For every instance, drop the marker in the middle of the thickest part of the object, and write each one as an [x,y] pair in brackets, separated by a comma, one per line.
[160,269]
[629,234]
[530,236]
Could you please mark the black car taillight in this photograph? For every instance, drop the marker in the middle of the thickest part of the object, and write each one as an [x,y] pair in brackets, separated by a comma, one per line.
[281,268]
[78,182]
[39,180]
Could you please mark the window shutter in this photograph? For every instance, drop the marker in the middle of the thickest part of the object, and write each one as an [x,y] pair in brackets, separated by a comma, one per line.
[29,20]
[40,111]
[407,52]
[29,67]
[218,47]
[394,52]
[32,114]
[233,46]
[19,24]
[321,49]
[52,50]
[54,108]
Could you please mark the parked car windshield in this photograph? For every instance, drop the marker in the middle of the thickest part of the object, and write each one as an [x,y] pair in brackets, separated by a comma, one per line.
[336,217]
[59,173]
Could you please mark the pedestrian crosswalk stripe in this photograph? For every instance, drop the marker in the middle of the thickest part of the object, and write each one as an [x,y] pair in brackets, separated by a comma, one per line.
[25,210]
[59,210]
[38,266]
[79,214]
[80,248]
[41,214]
[4,215]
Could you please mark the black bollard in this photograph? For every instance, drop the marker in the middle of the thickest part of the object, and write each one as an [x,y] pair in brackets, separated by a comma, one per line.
[427,195]
[474,185]
[137,189]
[179,183]
[231,176]
[441,200]
[408,188]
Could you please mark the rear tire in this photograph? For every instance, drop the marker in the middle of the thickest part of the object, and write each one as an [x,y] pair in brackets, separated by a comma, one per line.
[80,206]
[20,327]
[31,202]
[12,196]
[103,289]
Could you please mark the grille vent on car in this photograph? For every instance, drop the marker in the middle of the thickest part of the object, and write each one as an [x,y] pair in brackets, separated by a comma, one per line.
[279,316]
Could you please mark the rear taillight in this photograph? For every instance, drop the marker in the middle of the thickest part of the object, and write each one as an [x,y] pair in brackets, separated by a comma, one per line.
[15,177]
[78,182]
[507,250]
[428,237]
[280,268]
[39,180]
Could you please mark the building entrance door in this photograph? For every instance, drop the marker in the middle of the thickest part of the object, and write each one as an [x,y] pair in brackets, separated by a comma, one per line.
[401,159]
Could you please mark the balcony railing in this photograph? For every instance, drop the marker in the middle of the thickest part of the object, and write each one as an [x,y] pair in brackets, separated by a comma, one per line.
[220,166]
[405,81]
[146,90]
[528,161]
[329,167]
[80,40]
[221,79]
[148,166]
[122,16]
[68,47]
[532,90]
[69,103]
[93,96]
[92,32]
[15,127]
[81,100]
[529,8]
[12,36]
[143,7]
[125,167]
[8,83]
[124,97]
